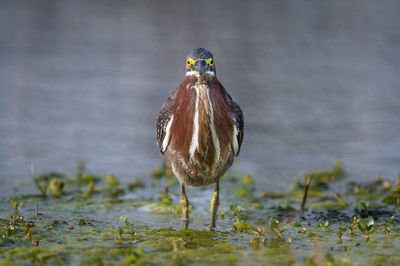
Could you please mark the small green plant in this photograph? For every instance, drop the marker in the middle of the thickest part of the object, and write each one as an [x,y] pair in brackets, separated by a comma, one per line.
[240,225]
[391,220]
[339,235]
[367,227]
[236,210]
[55,187]
[274,226]
[15,204]
[354,223]
[83,222]
[324,224]
[113,186]
[125,220]
[51,183]
[111,181]
[165,197]
[355,220]
[258,238]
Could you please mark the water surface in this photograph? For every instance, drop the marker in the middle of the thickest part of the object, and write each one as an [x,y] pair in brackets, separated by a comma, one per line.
[84,81]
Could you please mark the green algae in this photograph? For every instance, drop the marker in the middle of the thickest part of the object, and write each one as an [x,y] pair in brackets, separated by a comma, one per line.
[97,220]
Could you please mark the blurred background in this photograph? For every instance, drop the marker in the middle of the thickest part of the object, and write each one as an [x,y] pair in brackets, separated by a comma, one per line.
[85,80]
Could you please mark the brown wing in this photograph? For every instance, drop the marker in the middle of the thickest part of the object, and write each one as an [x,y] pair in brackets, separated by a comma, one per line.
[163,124]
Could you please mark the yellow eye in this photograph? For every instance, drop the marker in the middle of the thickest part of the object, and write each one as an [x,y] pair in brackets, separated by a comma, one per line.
[210,61]
[189,62]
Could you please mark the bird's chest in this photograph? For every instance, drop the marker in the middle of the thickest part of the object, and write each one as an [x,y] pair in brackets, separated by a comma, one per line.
[201,138]
[206,154]
[204,147]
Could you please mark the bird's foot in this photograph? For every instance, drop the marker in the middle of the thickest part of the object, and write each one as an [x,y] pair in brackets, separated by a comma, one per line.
[211,227]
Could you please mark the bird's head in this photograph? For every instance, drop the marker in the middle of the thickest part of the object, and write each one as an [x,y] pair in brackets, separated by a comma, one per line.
[200,63]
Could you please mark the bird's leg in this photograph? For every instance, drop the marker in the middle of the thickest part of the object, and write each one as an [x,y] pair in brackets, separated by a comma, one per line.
[214,206]
[185,207]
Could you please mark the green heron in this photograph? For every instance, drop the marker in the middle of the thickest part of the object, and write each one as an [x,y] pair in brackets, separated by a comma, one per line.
[199,130]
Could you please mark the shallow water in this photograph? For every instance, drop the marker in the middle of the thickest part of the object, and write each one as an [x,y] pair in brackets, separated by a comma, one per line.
[87,223]
[84,81]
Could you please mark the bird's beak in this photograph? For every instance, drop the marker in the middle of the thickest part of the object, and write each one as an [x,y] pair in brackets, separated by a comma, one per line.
[200,66]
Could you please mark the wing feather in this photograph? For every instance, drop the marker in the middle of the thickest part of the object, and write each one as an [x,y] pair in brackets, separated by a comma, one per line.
[239,127]
[164,122]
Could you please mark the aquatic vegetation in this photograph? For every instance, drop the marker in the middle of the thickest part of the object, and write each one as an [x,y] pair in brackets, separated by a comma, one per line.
[95,219]
[320,180]
[52,183]
[274,226]
[135,184]
[367,227]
